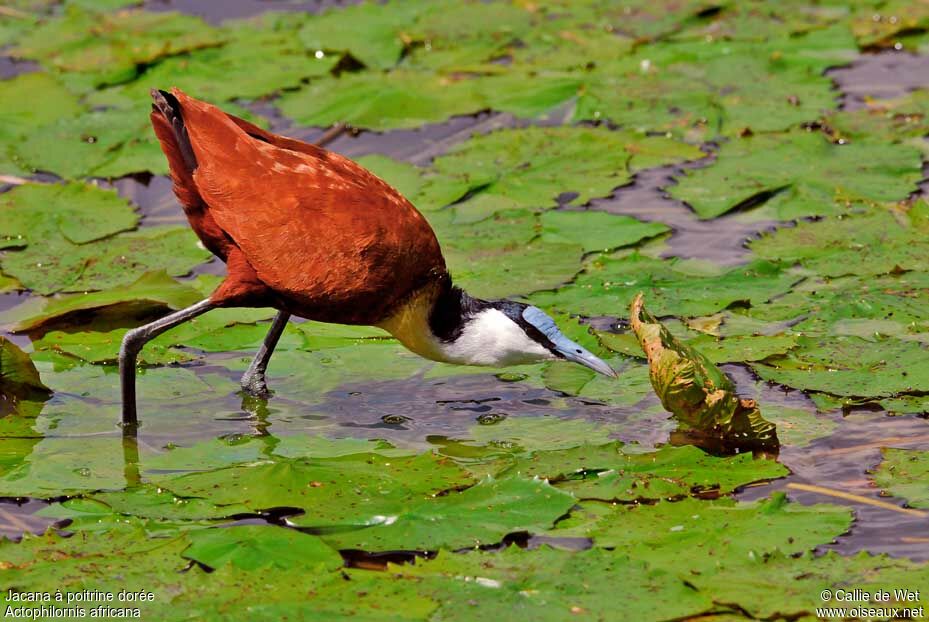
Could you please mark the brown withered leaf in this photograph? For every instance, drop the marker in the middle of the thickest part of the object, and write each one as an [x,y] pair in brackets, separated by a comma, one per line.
[695,391]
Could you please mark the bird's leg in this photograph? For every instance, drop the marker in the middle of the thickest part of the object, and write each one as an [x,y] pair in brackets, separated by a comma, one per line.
[132,345]
[253,382]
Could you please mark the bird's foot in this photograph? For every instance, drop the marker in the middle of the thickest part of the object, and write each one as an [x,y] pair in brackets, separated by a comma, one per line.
[255,385]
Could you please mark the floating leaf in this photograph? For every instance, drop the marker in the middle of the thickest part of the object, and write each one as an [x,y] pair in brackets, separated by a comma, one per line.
[21,114]
[704,530]
[851,366]
[377,35]
[378,101]
[49,214]
[609,283]
[253,62]
[108,48]
[478,516]
[545,584]
[612,473]
[351,490]
[882,25]
[117,261]
[531,167]
[151,290]
[596,231]
[251,547]
[693,389]
[800,174]
[903,473]
[876,242]
[108,143]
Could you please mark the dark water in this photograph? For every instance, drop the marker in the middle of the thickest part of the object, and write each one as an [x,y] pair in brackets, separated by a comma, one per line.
[11,67]
[432,411]
[880,76]
[722,240]
[840,462]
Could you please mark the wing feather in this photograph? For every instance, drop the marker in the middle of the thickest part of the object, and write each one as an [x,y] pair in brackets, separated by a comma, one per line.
[318,228]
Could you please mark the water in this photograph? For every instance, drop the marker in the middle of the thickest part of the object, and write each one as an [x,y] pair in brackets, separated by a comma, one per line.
[887,75]
[430,413]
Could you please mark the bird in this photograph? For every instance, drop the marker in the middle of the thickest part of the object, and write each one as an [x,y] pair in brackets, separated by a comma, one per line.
[315,235]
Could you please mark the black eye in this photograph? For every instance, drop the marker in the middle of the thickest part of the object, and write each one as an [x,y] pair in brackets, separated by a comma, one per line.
[578,351]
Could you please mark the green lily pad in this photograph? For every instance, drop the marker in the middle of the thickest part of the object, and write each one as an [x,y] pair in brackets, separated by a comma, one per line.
[48,101]
[378,33]
[480,515]
[42,214]
[703,529]
[350,490]
[254,61]
[115,262]
[103,347]
[609,284]
[851,366]
[801,173]
[530,167]
[60,466]
[903,473]
[151,290]
[146,502]
[610,473]
[98,144]
[877,242]
[547,585]
[251,547]
[738,348]
[780,585]
[399,99]
[596,231]
[468,36]
[523,434]
[405,177]
[902,119]
[699,89]
[881,26]
[95,49]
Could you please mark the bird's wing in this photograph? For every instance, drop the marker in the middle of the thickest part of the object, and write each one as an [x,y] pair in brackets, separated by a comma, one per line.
[314,225]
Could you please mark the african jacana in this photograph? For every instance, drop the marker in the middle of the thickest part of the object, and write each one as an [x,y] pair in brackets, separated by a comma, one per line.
[315,235]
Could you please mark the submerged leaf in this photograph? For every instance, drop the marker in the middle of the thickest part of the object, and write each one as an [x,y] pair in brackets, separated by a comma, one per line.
[690,387]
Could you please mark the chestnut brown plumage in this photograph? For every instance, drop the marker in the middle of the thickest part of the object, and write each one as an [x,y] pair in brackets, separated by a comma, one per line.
[300,228]
[313,234]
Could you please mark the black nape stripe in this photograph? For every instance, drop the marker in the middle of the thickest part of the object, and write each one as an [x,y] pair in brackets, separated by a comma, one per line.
[452,309]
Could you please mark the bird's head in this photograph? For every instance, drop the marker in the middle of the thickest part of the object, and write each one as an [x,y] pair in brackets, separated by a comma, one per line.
[497,333]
